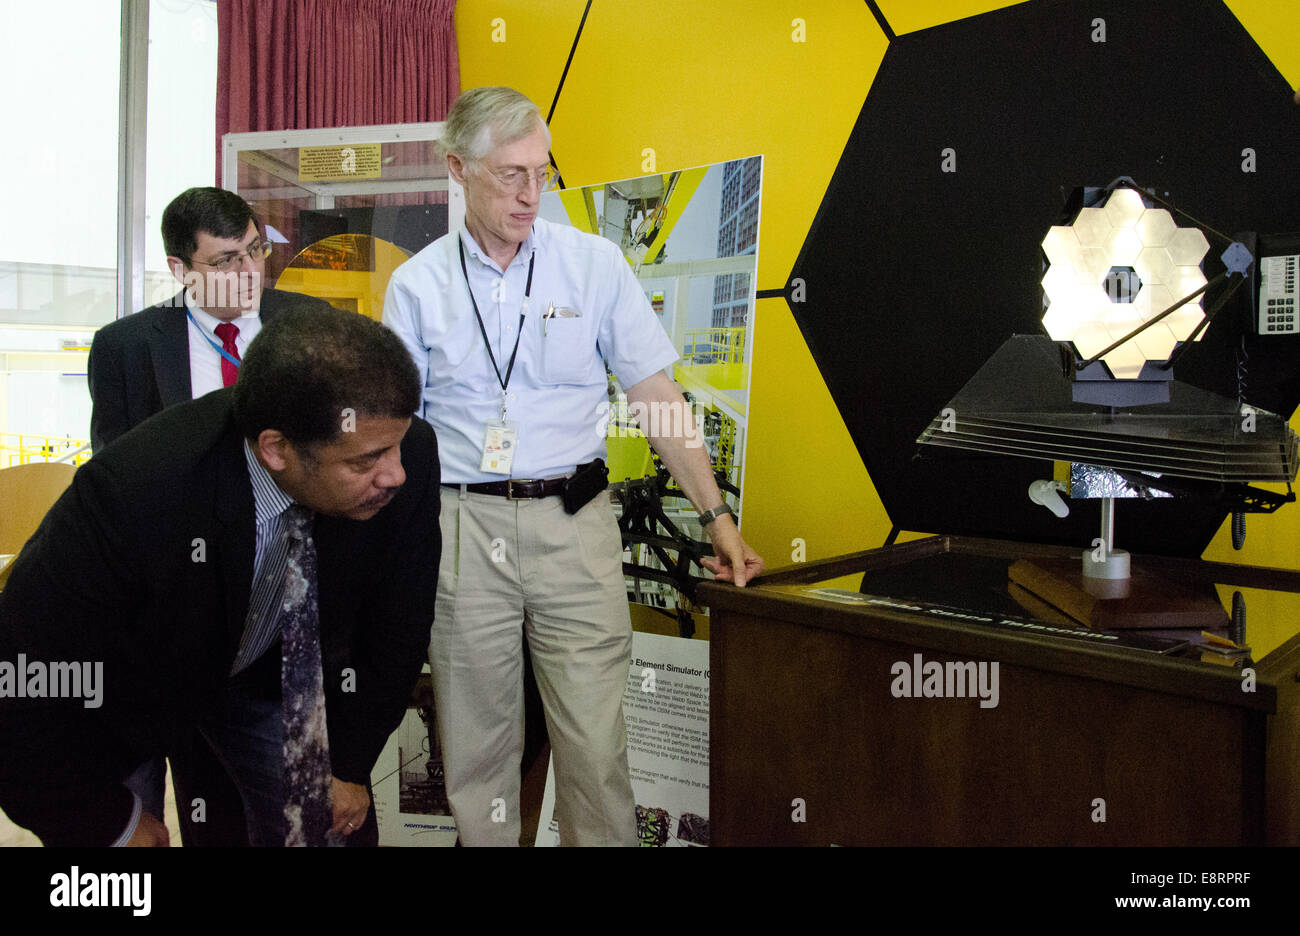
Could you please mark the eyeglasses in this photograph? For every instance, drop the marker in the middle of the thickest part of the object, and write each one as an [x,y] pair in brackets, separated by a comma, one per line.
[518,180]
[257,252]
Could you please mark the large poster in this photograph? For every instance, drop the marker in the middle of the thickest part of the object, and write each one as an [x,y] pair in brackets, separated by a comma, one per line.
[666,706]
[691,238]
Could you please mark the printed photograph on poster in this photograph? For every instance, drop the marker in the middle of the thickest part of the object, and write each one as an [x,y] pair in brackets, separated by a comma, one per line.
[691,238]
[666,708]
[409,786]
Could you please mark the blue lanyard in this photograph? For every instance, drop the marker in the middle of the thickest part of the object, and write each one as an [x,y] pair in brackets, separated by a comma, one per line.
[203,331]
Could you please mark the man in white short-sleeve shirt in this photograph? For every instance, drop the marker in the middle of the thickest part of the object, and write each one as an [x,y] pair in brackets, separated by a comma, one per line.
[511,324]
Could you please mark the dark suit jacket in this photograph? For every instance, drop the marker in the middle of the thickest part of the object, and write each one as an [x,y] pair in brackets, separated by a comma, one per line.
[145,564]
[140,365]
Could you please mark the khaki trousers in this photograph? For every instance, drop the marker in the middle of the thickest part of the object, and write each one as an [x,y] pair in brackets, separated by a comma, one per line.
[511,564]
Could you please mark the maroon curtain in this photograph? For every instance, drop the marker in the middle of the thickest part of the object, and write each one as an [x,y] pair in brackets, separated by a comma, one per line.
[303,64]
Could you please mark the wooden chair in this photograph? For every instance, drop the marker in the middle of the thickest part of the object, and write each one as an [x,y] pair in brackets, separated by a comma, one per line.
[26,493]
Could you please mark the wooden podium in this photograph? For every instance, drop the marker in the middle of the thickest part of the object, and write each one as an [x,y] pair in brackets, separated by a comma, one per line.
[1093,741]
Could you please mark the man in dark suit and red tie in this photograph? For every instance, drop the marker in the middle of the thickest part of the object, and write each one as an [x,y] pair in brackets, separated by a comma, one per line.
[190,344]
[177,350]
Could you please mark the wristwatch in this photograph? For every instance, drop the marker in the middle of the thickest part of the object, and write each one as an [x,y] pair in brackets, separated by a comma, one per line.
[710,515]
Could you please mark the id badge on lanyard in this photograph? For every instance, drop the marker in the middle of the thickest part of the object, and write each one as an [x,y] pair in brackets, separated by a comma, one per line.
[499,442]
[500,437]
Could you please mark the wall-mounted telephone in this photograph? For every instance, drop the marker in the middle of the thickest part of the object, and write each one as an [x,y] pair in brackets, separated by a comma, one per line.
[1276,309]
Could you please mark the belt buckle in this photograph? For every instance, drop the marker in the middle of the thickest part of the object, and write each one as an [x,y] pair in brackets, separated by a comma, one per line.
[510,489]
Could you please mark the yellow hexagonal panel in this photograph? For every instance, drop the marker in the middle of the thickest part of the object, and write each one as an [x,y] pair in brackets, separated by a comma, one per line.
[517,43]
[777,486]
[785,59]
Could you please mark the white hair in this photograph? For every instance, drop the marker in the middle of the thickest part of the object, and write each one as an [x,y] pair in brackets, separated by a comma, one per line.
[484,118]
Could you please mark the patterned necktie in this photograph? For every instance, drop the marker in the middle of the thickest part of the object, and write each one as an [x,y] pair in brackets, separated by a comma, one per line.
[228,333]
[308,809]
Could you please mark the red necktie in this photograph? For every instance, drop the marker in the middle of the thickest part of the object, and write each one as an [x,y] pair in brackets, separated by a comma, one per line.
[228,333]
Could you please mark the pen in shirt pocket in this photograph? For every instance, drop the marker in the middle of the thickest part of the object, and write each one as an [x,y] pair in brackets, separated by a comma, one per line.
[554,311]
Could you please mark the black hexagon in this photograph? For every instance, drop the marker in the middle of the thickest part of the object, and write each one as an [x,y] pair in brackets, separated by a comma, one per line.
[1122,284]
[912,275]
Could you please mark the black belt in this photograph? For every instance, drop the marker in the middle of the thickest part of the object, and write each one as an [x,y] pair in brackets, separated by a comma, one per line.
[516,489]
